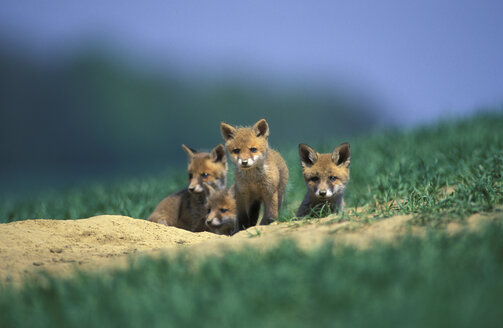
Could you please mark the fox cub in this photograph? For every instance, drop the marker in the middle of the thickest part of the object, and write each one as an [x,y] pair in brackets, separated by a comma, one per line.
[221,211]
[326,176]
[186,208]
[261,173]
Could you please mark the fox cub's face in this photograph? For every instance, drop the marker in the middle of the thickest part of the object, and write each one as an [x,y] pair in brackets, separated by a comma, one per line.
[246,146]
[210,168]
[326,175]
[221,207]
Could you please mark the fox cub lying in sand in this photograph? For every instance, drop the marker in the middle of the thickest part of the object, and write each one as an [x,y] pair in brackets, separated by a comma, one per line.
[261,173]
[221,211]
[326,176]
[186,208]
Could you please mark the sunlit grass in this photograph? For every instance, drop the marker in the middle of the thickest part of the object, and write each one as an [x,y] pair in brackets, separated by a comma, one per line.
[437,173]
[391,173]
[437,281]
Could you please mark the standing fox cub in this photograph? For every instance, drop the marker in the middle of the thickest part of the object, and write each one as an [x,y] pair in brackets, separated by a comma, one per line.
[221,211]
[186,208]
[261,173]
[326,176]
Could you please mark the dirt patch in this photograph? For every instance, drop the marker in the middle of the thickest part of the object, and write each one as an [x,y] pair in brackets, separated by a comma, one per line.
[58,246]
[102,242]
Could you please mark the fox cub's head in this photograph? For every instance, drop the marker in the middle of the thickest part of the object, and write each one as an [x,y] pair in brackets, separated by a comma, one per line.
[326,175]
[210,168]
[221,206]
[246,146]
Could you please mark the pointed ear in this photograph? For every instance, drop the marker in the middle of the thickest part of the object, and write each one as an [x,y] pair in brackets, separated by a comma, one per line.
[227,130]
[218,154]
[308,155]
[342,155]
[261,128]
[232,191]
[190,152]
[208,190]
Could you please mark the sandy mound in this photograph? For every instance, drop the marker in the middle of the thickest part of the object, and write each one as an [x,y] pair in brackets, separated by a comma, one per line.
[60,246]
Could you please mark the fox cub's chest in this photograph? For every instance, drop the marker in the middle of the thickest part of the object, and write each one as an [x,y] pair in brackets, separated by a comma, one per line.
[251,181]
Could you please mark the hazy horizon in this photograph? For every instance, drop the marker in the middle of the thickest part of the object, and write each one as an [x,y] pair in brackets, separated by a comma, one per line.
[419,61]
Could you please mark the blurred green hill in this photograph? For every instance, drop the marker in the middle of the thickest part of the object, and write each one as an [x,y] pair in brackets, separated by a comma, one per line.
[94,114]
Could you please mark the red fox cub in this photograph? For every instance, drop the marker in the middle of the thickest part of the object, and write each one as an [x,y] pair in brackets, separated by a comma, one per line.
[261,173]
[186,208]
[221,211]
[326,176]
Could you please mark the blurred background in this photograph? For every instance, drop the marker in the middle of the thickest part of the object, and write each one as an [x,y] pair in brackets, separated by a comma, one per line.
[103,89]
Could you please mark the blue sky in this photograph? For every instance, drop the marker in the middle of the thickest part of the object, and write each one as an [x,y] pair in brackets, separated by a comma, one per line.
[421,59]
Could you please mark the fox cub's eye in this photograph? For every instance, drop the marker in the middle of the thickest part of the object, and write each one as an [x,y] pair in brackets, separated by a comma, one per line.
[205,175]
[209,210]
[223,210]
[253,149]
[190,175]
[236,151]
[332,178]
[314,179]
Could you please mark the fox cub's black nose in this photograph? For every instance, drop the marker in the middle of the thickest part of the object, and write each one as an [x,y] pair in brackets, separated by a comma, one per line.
[192,188]
[323,192]
[245,162]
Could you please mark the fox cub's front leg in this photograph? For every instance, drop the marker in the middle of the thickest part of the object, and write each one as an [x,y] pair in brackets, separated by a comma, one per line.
[271,208]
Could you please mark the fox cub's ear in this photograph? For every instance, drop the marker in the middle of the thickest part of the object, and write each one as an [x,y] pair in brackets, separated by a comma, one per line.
[218,154]
[208,190]
[261,128]
[308,155]
[232,191]
[342,155]
[190,152]
[228,131]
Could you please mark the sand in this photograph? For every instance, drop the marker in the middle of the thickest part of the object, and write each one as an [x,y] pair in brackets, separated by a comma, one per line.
[111,241]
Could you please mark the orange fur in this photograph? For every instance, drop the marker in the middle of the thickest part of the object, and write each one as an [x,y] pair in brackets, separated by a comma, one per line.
[326,176]
[261,173]
[221,217]
[186,208]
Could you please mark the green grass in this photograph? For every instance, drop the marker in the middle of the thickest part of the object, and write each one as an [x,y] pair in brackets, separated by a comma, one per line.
[411,168]
[437,281]
[134,197]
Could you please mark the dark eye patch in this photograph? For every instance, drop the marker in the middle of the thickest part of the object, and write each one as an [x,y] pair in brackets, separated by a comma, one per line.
[190,175]
[205,175]
[253,149]
[223,210]
[332,178]
[314,179]
[236,151]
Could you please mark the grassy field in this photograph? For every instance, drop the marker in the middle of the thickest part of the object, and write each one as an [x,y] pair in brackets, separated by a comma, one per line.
[438,173]
[438,281]
[391,173]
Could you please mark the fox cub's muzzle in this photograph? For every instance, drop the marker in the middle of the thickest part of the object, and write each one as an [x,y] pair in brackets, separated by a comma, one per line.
[248,162]
[195,187]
